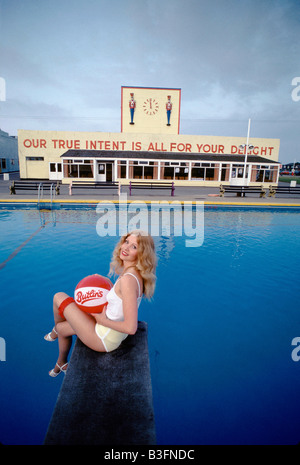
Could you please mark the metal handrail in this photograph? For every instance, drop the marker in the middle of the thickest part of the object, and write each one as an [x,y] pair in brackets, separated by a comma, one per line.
[39,191]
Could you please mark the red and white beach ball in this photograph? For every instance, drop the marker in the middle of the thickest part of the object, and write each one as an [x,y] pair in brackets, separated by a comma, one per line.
[90,293]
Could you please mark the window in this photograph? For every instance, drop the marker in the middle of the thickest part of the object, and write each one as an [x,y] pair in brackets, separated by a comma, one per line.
[85,171]
[55,168]
[168,172]
[148,172]
[139,169]
[238,171]
[264,173]
[181,173]
[198,173]
[268,177]
[123,172]
[78,168]
[101,168]
[205,171]
[174,170]
[121,169]
[137,172]
[225,172]
[210,172]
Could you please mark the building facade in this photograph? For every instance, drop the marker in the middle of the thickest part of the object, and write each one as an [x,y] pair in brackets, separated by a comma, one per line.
[9,160]
[149,147]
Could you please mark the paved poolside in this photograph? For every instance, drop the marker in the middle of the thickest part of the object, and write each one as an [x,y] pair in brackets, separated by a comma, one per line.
[208,195]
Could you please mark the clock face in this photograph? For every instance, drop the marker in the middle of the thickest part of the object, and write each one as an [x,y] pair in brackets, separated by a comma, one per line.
[150,106]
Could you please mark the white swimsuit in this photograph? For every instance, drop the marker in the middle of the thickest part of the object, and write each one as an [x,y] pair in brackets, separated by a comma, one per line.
[111,338]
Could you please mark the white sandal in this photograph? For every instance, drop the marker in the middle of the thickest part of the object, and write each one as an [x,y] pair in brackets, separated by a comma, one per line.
[53,374]
[48,336]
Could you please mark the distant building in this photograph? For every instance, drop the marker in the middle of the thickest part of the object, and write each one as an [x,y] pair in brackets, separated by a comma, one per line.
[291,166]
[9,160]
[149,147]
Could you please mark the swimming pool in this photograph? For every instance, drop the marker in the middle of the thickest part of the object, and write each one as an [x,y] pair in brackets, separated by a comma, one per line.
[220,325]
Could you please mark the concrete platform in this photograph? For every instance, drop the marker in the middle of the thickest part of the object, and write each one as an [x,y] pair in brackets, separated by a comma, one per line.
[106,398]
[207,195]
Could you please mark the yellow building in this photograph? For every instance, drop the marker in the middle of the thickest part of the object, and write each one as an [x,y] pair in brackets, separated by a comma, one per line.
[149,146]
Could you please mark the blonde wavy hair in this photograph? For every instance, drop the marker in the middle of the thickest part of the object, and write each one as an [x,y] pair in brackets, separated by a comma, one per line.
[146,260]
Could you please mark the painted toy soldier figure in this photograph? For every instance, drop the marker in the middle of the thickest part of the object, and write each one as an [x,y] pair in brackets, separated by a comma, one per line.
[132,107]
[169,109]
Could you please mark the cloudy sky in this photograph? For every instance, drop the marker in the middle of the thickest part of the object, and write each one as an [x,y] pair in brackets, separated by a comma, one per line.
[64,62]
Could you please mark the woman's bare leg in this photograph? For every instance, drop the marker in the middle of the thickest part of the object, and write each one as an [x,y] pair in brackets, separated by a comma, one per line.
[75,322]
[64,340]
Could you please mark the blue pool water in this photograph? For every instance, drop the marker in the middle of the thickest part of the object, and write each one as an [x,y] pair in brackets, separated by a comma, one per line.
[221,323]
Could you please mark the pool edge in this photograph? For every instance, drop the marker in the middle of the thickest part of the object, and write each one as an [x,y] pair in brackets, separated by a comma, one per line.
[185,202]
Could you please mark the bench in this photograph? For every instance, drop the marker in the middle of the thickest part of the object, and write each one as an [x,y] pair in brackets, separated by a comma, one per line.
[241,191]
[273,190]
[106,398]
[94,185]
[152,185]
[34,186]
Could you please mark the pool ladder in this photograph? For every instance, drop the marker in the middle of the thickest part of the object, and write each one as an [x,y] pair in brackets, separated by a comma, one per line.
[49,204]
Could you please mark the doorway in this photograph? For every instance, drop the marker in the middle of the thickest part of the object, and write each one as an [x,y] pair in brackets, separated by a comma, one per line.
[55,171]
[237,175]
[104,171]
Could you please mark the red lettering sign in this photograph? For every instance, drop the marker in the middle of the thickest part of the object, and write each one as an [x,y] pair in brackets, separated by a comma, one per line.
[35,143]
[81,297]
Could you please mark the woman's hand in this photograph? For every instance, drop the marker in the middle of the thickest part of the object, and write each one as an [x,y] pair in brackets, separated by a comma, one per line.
[100,317]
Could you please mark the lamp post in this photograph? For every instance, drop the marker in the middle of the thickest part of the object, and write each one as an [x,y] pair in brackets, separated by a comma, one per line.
[250,147]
